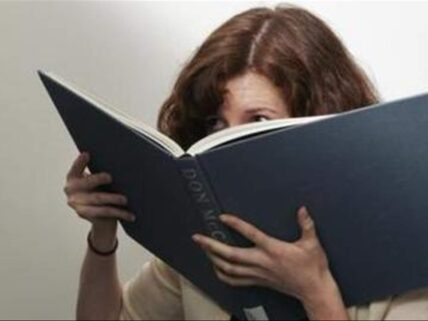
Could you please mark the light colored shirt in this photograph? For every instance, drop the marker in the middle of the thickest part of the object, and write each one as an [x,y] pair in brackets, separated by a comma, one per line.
[157,292]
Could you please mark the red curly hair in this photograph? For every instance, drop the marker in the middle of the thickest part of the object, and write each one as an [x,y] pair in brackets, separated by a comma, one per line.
[295,49]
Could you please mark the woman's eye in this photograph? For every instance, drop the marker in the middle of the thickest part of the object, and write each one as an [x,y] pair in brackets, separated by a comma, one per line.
[214,124]
[260,118]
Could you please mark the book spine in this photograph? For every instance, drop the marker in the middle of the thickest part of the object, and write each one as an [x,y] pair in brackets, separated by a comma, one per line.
[204,199]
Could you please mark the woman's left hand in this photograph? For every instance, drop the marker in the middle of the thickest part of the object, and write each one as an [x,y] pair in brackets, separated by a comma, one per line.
[299,269]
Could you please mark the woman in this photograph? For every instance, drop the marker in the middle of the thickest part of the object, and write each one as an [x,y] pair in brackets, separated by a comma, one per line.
[261,64]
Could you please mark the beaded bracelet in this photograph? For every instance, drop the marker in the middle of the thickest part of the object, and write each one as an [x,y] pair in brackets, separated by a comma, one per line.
[93,249]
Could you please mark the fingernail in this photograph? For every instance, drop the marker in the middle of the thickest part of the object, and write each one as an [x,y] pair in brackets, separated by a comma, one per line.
[225,217]
[133,218]
[304,212]
[196,238]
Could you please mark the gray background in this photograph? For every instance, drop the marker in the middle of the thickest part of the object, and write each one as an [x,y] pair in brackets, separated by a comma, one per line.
[129,53]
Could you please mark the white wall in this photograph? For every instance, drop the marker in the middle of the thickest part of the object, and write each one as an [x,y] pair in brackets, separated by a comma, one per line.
[128,53]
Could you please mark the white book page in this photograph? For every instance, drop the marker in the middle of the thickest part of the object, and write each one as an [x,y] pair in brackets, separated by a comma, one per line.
[233,133]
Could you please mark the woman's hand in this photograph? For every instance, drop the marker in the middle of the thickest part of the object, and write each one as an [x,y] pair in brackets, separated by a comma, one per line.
[94,206]
[299,269]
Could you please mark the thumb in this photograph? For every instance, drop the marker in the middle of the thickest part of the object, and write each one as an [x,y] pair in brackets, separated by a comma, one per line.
[306,223]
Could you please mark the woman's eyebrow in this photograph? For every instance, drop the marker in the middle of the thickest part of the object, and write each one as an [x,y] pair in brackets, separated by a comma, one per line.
[257,109]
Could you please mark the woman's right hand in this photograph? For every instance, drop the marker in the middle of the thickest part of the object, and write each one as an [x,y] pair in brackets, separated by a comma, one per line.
[95,206]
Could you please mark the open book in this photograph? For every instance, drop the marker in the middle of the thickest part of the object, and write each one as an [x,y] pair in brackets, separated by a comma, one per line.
[362,174]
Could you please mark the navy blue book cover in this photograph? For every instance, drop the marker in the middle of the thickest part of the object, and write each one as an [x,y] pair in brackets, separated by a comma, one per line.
[362,174]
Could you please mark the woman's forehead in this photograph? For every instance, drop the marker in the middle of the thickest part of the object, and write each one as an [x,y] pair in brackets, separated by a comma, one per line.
[250,91]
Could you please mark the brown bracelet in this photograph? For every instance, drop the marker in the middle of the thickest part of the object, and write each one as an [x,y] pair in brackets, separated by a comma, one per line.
[93,249]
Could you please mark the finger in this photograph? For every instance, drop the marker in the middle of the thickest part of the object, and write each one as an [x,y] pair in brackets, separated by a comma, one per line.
[306,223]
[234,281]
[234,254]
[87,183]
[78,166]
[94,212]
[246,229]
[233,269]
[97,199]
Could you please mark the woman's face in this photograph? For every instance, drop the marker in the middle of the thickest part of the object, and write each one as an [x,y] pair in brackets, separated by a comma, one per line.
[250,97]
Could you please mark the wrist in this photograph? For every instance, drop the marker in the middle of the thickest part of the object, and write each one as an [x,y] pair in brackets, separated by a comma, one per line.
[325,301]
[101,240]
[322,285]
